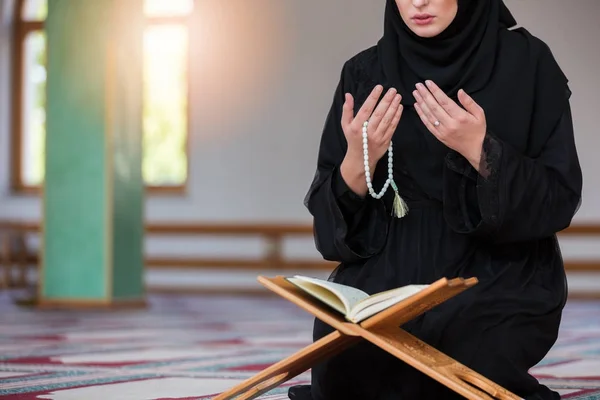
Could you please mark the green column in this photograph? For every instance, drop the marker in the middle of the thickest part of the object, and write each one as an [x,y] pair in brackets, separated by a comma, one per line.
[92,239]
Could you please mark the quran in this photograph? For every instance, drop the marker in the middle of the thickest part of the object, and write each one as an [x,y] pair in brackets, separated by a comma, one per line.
[354,304]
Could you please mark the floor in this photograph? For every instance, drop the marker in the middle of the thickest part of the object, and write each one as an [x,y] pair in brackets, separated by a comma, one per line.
[196,347]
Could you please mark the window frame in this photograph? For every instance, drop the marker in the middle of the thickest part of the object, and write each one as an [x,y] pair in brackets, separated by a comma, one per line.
[21,28]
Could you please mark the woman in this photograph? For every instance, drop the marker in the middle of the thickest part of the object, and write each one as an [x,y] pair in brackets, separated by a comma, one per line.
[484,158]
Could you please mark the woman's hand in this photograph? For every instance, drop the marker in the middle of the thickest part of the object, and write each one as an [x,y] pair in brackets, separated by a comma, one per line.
[383,121]
[462,130]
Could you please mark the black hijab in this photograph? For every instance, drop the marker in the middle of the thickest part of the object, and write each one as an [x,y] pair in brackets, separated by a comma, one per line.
[510,73]
[463,55]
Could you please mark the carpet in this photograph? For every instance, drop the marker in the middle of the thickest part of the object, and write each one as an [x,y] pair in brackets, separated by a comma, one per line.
[193,347]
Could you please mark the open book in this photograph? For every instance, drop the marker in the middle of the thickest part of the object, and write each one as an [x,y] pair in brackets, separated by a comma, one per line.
[353,303]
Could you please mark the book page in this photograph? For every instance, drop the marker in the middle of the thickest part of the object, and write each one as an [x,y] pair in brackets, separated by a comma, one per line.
[348,295]
[380,301]
[320,293]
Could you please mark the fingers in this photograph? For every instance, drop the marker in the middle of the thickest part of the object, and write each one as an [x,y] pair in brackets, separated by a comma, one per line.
[430,106]
[380,129]
[470,105]
[391,129]
[348,111]
[382,121]
[443,100]
[425,113]
[382,108]
[426,120]
[368,106]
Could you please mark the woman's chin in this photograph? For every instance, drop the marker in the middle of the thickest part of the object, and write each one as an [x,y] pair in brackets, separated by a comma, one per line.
[426,30]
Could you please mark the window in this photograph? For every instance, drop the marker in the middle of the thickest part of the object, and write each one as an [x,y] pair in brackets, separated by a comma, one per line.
[165,94]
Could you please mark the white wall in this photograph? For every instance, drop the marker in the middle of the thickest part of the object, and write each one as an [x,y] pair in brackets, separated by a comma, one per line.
[264,74]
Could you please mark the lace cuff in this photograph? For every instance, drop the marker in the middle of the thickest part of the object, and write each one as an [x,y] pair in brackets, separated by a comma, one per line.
[348,201]
[460,165]
[488,179]
[358,226]
[471,198]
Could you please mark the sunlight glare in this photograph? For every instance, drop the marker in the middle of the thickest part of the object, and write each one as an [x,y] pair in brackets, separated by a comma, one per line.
[165,103]
[165,8]
[34,10]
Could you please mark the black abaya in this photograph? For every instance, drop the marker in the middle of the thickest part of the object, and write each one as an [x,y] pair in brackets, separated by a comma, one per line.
[498,226]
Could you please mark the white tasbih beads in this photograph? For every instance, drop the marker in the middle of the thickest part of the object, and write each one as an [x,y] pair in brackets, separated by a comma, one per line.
[368,169]
[400,208]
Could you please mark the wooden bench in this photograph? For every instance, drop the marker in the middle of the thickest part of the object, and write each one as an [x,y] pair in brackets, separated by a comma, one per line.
[16,255]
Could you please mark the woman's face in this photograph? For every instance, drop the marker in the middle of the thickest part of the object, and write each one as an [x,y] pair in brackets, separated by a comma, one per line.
[427,18]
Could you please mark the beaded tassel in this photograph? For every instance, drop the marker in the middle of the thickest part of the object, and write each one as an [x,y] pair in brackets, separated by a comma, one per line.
[400,208]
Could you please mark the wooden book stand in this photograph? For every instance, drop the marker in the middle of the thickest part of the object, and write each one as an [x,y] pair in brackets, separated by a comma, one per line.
[383,330]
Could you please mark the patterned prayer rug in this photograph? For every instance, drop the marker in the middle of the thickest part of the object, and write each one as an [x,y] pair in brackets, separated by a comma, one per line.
[196,347]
